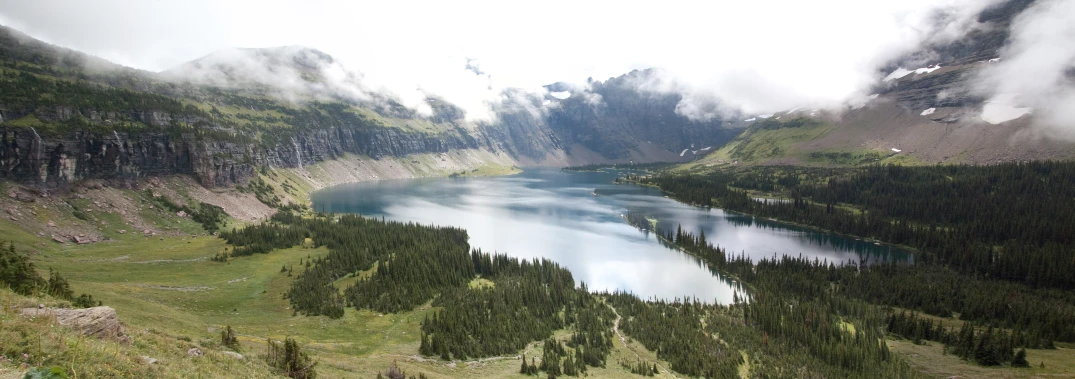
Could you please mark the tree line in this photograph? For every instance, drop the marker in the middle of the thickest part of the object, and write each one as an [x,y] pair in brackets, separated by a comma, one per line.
[981,260]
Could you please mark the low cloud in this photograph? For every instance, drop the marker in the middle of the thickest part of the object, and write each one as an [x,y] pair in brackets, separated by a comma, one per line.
[1037,68]
[722,57]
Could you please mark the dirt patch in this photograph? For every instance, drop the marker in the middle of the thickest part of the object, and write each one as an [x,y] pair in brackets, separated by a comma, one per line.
[242,206]
[174,288]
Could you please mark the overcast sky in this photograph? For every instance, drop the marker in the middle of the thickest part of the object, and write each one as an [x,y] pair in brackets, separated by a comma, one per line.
[759,55]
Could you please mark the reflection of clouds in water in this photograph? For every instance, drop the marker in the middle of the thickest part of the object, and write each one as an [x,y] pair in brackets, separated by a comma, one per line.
[554,215]
[605,255]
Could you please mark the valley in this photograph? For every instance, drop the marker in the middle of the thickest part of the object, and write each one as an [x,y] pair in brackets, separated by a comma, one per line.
[341,190]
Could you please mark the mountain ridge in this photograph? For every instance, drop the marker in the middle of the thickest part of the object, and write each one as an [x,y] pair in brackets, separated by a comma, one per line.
[64,121]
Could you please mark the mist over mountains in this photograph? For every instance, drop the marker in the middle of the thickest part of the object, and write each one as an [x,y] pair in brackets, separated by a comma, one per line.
[973,80]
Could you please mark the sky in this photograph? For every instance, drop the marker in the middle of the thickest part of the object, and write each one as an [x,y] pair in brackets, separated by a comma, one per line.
[751,56]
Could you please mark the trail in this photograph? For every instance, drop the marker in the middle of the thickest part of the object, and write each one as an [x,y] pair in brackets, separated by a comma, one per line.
[623,340]
[419,358]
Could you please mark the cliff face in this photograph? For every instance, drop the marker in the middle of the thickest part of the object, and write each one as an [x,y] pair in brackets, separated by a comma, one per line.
[67,116]
[95,152]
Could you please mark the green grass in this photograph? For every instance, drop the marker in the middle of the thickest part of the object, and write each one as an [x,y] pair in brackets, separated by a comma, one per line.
[846,157]
[764,144]
[930,359]
[481,283]
[169,292]
[27,121]
[169,286]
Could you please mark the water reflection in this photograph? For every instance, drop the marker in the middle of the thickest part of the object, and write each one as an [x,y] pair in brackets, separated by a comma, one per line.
[575,219]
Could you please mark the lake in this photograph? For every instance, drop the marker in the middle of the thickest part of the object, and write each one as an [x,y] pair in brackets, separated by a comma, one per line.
[576,219]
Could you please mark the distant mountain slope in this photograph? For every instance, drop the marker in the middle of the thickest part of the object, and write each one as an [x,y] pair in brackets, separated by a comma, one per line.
[924,111]
[66,116]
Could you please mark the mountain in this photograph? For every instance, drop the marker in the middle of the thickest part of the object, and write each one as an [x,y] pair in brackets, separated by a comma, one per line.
[924,111]
[69,116]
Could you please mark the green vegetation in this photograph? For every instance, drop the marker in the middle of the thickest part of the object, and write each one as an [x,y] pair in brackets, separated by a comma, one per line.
[985,250]
[19,274]
[288,358]
[847,158]
[770,138]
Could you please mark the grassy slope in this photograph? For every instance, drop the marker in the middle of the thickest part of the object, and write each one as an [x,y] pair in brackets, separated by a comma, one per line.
[172,297]
[167,289]
[788,146]
[930,359]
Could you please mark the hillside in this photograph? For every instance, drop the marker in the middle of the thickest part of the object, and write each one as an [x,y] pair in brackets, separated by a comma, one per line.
[924,111]
[68,116]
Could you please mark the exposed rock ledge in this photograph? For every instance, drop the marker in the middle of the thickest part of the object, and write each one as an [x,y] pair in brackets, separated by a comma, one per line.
[100,322]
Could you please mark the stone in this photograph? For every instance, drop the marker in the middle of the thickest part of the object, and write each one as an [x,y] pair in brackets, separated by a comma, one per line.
[58,239]
[52,224]
[181,214]
[122,231]
[234,355]
[147,360]
[100,322]
[195,352]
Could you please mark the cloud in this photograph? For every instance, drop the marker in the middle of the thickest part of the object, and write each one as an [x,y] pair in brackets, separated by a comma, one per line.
[757,57]
[1037,67]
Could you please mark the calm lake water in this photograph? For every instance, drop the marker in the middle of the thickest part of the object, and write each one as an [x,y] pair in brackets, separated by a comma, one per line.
[576,219]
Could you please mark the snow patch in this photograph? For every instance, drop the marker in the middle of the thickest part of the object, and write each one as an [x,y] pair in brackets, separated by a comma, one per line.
[895,150]
[684,152]
[546,102]
[994,60]
[707,148]
[899,73]
[750,119]
[765,115]
[929,111]
[926,70]
[995,112]
[560,95]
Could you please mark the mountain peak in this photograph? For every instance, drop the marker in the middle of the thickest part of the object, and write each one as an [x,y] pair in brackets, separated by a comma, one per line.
[255,66]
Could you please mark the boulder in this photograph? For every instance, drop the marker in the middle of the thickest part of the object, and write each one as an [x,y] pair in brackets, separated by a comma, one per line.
[100,322]
[148,360]
[195,352]
[234,355]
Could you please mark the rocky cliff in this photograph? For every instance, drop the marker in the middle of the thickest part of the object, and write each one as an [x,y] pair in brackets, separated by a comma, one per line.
[58,159]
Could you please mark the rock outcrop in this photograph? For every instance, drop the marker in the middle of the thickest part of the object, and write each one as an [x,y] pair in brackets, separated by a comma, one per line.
[100,322]
[54,161]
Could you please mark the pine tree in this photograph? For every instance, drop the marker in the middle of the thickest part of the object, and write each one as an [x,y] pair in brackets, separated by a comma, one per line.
[1020,359]
[227,338]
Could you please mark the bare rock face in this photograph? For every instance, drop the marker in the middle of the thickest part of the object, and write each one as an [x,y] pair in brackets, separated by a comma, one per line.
[100,322]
